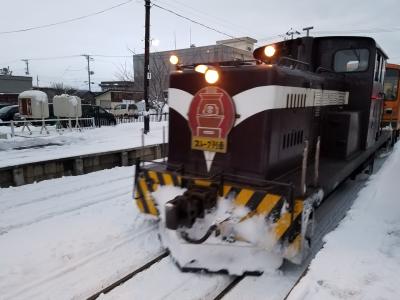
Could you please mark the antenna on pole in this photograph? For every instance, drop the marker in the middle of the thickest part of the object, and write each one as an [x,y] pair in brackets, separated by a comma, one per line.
[175,39]
[26,66]
[292,32]
[307,30]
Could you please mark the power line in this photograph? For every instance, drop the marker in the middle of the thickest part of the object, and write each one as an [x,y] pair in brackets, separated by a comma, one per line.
[193,21]
[77,55]
[54,57]
[102,55]
[204,14]
[68,20]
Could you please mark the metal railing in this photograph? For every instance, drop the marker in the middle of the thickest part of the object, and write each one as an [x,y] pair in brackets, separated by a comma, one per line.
[45,125]
[132,119]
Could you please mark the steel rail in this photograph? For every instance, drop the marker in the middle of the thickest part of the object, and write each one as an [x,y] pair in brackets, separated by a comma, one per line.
[127,277]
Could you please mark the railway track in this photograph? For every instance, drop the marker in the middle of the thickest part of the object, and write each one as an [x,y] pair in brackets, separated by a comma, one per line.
[236,287]
[127,277]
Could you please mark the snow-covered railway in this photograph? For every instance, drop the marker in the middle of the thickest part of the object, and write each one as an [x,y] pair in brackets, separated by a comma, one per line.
[69,237]
[72,237]
[151,283]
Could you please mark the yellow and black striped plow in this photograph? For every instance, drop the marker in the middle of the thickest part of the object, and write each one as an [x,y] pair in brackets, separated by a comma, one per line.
[286,224]
[148,181]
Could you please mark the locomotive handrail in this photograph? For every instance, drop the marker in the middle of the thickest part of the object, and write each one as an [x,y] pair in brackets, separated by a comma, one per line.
[319,69]
[227,63]
[294,60]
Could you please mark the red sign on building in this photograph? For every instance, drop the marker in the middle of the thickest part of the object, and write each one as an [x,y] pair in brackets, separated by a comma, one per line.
[211,118]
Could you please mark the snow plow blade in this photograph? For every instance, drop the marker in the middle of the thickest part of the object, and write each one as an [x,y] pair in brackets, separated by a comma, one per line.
[200,237]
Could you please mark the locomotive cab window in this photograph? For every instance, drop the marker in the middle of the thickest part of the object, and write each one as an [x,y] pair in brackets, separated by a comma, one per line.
[391,84]
[379,68]
[351,60]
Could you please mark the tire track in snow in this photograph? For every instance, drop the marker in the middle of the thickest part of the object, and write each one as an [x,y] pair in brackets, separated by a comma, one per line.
[111,195]
[67,192]
[56,274]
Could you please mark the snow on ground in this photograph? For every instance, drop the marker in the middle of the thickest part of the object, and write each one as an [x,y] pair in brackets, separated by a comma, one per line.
[66,238]
[165,281]
[361,258]
[20,150]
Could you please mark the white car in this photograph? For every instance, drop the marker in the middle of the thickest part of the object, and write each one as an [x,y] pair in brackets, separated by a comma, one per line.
[125,110]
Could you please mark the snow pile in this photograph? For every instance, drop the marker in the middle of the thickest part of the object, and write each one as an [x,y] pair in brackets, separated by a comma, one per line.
[242,245]
[107,138]
[361,258]
[33,104]
[66,106]
[22,143]
[37,96]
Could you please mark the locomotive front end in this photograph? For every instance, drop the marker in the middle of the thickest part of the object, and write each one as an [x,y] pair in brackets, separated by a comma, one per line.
[255,145]
[218,208]
[219,226]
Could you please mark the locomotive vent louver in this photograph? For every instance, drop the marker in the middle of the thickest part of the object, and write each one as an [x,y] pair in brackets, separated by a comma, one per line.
[296,100]
[293,138]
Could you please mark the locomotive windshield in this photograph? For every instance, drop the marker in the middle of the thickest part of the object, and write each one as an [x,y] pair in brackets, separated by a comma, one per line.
[351,60]
[391,84]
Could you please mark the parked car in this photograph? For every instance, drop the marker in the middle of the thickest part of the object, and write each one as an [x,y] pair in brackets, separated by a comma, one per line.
[101,116]
[125,110]
[8,113]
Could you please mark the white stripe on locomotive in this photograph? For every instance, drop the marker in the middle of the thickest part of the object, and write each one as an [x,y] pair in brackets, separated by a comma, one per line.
[265,98]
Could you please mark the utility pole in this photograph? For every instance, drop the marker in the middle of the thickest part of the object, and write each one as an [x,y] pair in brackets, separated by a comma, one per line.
[88,58]
[37,80]
[147,74]
[26,66]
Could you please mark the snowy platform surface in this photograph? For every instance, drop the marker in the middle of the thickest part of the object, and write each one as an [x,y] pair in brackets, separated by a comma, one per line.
[21,150]
[361,258]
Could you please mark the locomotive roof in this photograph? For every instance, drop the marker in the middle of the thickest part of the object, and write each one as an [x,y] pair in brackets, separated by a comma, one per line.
[333,37]
[355,37]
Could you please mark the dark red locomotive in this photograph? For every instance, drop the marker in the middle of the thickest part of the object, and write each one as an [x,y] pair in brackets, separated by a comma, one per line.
[255,145]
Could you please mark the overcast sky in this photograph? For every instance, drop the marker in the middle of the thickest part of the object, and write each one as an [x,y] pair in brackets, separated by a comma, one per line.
[113,32]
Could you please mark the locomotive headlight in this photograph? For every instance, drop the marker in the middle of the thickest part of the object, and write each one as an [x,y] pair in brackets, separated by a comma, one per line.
[173,59]
[201,69]
[211,76]
[269,51]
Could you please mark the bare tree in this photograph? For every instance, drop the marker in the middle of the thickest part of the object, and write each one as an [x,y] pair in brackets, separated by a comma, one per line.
[124,73]
[60,88]
[159,68]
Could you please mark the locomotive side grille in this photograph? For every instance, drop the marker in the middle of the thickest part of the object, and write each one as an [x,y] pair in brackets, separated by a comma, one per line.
[295,100]
[326,97]
[292,138]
